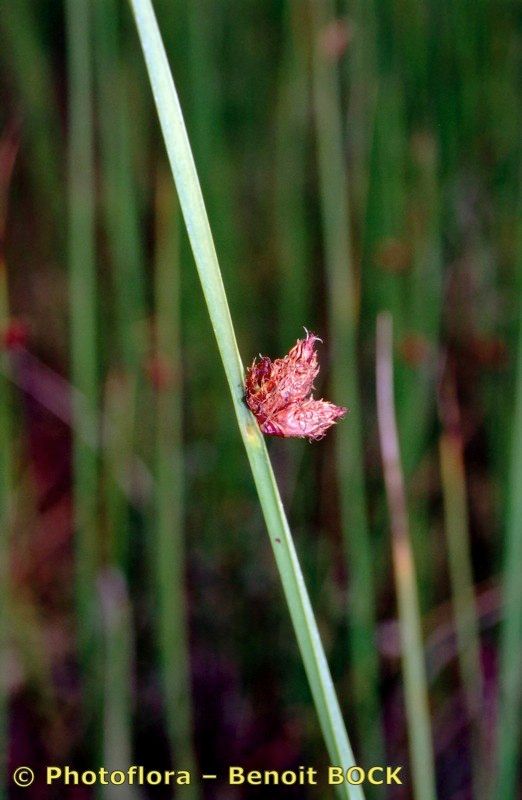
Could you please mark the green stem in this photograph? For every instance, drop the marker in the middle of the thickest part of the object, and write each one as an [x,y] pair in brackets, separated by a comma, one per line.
[342,307]
[82,278]
[292,236]
[200,236]
[117,678]
[118,640]
[170,544]
[120,205]
[453,480]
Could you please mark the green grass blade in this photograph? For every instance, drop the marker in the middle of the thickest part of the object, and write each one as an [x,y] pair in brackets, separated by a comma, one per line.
[118,643]
[291,229]
[342,309]
[415,680]
[117,628]
[362,78]
[169,543]
[117,459]
[423,295]
[119,196]
[82,277]
[198,227]
[126,305]
[453,480]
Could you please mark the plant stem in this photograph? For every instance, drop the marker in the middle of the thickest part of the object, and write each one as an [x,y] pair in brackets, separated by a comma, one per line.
[200,236]
[292,235]
[82,278]
[453,478]
[169,544]
[342,308]
[118,639]
[415,682]
[120,206]
[121,223]
[118,649]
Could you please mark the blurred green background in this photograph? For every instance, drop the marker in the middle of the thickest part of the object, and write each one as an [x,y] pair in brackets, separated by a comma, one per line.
[355,157]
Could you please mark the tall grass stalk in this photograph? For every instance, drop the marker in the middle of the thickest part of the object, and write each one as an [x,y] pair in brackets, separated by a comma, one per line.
[362,79]
[170,534]
[415,681]
[416,411]
[453,478]
[343,318]
[117,677]
[510,710]
[82,281]
[121,224]
[118,468]
[120,220]
[120,206]
[117,634]
[423,301]
[292,237]
[196,220]
[384,220]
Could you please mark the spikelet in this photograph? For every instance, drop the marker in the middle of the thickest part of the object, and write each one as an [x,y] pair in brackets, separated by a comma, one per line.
[279,394]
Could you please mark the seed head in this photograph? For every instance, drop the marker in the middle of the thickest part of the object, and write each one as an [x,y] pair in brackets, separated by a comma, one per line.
[279,394]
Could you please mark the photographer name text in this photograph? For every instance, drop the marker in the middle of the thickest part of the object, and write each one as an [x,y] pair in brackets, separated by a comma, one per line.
[234,776]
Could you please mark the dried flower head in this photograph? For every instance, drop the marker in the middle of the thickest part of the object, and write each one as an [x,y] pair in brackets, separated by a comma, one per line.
[279,394]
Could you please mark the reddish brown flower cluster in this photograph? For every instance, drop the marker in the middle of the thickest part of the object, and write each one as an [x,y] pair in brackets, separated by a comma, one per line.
[279,394]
